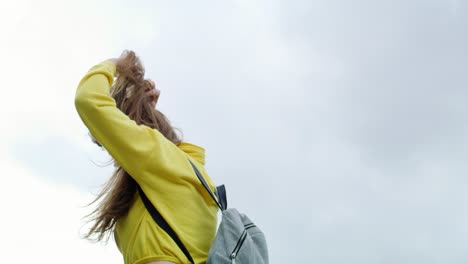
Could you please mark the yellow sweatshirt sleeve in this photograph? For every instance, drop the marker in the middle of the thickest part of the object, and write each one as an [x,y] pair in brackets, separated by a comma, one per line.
[130,144]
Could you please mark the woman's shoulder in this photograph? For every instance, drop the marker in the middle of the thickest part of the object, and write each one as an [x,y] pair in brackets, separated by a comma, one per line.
[195,151]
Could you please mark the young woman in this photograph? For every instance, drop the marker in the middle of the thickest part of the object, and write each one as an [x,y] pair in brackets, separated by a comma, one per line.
[123,118]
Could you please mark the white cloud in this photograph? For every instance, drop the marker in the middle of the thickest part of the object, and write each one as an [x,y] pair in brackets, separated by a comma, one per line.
[41,221]
[46,47]
[338,126]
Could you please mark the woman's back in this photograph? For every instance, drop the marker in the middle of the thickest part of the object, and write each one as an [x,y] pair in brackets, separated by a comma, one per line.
[183,202]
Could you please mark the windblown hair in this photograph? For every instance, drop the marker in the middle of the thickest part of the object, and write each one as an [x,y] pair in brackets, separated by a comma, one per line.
[117,195]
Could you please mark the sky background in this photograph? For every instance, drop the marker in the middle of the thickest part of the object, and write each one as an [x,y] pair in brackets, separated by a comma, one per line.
[339,127]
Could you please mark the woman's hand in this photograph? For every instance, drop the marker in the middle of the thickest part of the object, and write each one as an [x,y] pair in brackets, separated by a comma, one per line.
[152,93]
[118,60]
[115,60]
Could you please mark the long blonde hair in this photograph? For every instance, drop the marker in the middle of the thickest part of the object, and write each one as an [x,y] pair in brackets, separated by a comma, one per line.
[116,197]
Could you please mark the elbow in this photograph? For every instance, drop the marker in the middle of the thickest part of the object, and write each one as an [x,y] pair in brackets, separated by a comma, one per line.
[82,103]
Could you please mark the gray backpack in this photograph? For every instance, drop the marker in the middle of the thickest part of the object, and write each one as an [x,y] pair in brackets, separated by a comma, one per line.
[238,240]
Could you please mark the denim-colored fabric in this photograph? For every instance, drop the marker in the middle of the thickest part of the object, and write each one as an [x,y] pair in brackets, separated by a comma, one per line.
[251,247]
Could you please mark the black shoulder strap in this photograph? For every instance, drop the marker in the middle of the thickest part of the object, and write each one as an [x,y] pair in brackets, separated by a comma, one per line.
[221,194]
[163,224]
[219,197]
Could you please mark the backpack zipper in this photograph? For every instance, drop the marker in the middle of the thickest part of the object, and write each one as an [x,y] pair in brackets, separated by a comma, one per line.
[240,242]
[249,226]
[238,246]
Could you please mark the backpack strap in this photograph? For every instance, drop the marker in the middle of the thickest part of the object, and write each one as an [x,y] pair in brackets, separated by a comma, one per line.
[157,217]
[220,197]
[221,194]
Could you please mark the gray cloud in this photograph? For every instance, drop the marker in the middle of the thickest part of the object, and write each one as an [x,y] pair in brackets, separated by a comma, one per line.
[339,127]
[349,149]
[60,161]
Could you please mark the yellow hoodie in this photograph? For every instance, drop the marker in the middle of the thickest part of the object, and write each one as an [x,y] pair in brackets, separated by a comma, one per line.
[161,169]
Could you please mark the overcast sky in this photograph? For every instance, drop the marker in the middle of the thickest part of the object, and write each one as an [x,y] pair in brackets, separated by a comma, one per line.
[339,127]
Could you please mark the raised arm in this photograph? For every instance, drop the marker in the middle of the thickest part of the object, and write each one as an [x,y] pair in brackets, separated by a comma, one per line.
[131,145]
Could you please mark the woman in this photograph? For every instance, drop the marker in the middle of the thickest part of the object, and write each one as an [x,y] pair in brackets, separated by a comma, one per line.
[122,118]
